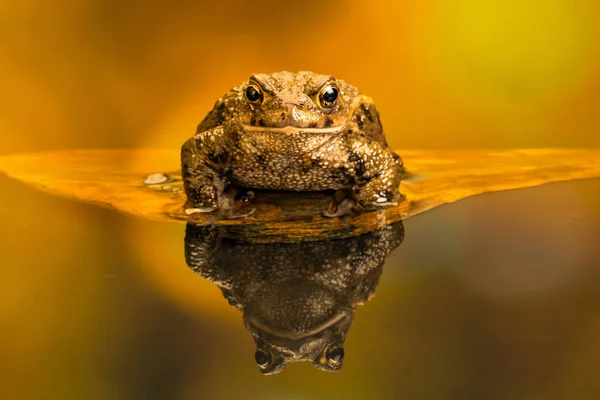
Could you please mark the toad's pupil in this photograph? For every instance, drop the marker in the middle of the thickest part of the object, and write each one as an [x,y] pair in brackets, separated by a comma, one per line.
[262,358]
[330,94]
[252,93]
[336,355]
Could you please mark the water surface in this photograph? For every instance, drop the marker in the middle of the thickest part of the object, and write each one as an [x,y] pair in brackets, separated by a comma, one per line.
[497,296]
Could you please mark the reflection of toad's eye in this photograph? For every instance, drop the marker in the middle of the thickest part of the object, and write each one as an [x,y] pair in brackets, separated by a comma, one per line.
[335,355]
[262,359]
[328,96]
[254,94]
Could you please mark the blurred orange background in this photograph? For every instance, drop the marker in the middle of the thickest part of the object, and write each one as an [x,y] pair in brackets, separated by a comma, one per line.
[99,305]
[454,73]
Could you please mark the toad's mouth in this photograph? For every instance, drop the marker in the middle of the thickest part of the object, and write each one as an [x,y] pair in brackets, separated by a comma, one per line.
[292,129]
[256,324]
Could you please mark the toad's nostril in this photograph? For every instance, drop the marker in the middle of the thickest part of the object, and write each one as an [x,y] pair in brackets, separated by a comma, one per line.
[283,116]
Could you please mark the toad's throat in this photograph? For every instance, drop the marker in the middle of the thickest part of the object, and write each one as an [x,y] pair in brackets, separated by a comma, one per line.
[296,336]
[289,129]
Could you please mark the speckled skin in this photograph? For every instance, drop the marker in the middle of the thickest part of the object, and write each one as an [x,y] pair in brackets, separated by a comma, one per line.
[290,141]
[298,300]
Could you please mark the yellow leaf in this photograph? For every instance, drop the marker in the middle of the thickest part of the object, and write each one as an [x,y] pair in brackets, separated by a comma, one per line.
[115,179]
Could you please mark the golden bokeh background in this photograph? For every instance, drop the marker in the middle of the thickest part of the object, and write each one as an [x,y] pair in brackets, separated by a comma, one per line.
[444,73]
[98,305]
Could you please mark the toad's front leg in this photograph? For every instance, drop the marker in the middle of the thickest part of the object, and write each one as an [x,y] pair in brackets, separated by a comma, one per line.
[374,171]
[205,160]
[378,174]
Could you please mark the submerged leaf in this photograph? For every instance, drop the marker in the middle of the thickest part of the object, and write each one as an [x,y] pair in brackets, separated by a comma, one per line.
[146,183]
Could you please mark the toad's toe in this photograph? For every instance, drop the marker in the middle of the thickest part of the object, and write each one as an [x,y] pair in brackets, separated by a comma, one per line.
[238,216]
[190,211]
[345,207]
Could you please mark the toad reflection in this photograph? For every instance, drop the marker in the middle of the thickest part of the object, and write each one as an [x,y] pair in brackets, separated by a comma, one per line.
[297,299]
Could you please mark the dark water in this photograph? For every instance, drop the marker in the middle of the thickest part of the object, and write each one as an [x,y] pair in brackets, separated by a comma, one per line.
[494,297]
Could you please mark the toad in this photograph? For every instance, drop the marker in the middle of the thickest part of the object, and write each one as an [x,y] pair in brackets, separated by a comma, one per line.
[296,132]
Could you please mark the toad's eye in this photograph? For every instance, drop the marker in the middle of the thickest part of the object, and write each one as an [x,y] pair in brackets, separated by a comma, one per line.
[335,355]
[254,94]
[262,359]
[328,96]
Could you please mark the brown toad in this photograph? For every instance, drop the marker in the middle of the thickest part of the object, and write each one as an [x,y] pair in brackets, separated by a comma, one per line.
[292,131]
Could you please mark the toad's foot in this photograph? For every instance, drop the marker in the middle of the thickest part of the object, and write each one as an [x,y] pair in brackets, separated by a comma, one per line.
[342,204]
[195,210]
[383,199]
[231,202]
[344,208]
[232,215]
[227,214]
[242,197]
[236,200]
